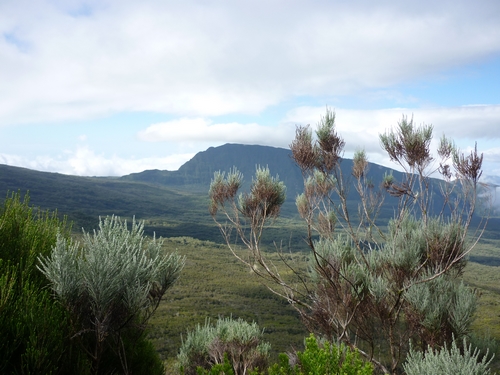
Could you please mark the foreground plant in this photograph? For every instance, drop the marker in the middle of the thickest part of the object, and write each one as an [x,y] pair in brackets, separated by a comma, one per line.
[452,361]
[321,359]
[110,284]
[34,329]
[374,285]
[231,343]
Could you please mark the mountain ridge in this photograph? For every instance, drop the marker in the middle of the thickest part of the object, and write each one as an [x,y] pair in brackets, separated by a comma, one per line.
[179,198]
[200,169]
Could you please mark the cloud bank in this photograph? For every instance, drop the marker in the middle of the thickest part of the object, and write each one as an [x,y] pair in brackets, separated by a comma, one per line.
[69,60]
[208,66]
[87,162]
[360,128]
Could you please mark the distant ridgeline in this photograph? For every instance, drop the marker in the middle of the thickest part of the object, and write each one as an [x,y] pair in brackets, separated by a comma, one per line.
[198,172]
[173,203]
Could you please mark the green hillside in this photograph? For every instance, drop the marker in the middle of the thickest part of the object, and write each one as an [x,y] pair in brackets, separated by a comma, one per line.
[84,199]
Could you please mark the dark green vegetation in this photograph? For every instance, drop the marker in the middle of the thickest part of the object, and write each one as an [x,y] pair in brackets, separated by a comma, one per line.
[41,335]
[34,329]
[84,199]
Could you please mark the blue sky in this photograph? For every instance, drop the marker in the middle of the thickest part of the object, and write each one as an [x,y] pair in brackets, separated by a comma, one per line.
[108,88]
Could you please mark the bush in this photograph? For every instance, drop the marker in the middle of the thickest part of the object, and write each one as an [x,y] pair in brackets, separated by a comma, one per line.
[323,359]
[34,329]
[142,357]
[375,280]
[111,285]
[236,340]
[447,361]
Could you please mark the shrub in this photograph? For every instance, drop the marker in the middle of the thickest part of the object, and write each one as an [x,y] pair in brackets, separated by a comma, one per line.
[447,361]
[374,279]
[34,328]
[323,359]
[238,341]
[110,286]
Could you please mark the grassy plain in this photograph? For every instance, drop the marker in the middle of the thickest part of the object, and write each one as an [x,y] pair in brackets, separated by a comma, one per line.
[212,284]
[215,284]
[483,273]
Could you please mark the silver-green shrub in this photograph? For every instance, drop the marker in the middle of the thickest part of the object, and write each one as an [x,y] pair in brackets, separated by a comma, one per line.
[447,361]
[111,283]
[237,340]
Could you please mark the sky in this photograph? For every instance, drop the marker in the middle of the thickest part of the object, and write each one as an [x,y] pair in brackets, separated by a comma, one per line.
[109,88]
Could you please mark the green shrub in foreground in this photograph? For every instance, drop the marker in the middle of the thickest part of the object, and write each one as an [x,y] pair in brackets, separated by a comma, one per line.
[34,328]
[322,360]
[224,368]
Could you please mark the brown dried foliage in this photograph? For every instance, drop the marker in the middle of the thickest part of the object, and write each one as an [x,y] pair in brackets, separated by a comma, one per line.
[359,167]
[303,151]
[469,167]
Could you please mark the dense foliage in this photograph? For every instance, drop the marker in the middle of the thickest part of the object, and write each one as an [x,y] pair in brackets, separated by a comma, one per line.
[322,359]
[34,328]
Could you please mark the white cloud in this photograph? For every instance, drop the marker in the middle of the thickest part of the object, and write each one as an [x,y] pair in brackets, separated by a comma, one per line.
[185,136]
[63,60]
[359,128]
[85,162]
[469,122]
[492,154]
[203,130]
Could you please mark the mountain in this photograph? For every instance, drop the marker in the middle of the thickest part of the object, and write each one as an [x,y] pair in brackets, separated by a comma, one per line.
[173,202]
[197,173]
